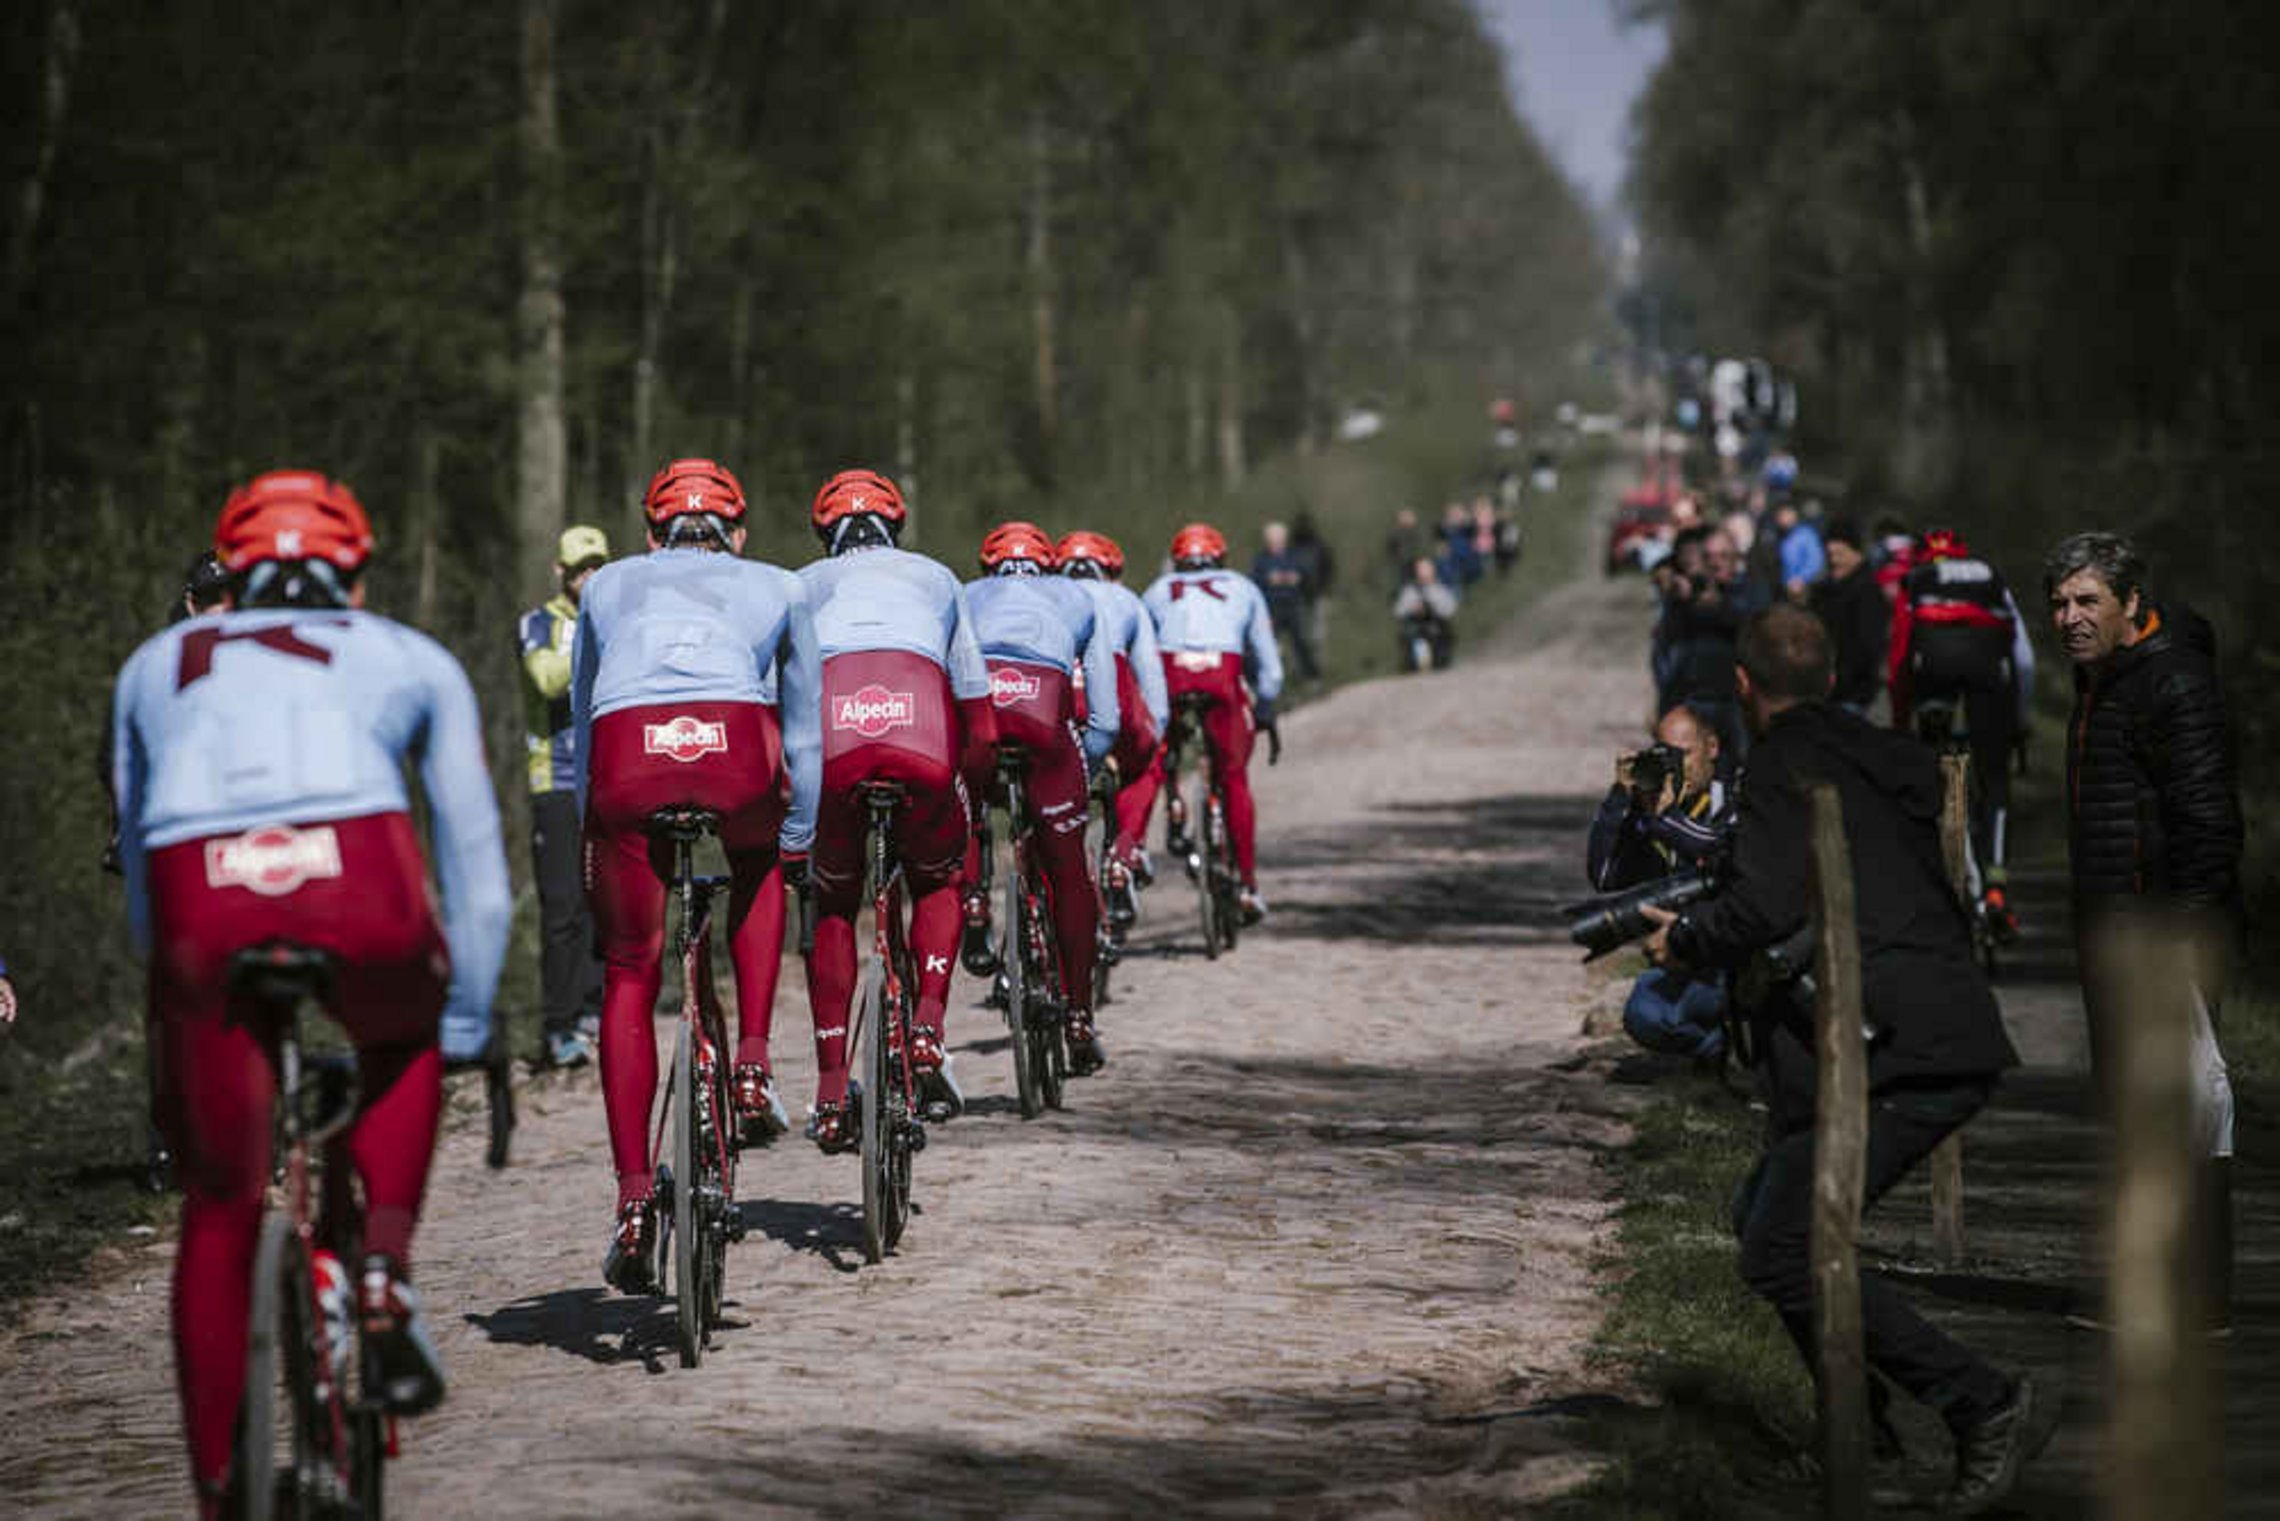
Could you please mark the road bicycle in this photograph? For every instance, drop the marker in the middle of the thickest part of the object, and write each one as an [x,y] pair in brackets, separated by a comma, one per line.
[1210,857]
[1029,959]
[1942,724]
[695,1191]
[893,1127]
[314,1436]
[1113,883]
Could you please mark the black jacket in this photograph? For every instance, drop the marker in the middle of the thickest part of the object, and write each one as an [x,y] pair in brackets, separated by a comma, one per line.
[1859,622]
[1924,995]
[2153,811]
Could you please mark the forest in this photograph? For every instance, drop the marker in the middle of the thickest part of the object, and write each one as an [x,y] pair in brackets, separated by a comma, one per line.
[491,264]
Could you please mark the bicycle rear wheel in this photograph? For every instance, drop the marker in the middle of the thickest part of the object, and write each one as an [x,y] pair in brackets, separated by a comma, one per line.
[1206,890]
[878,1176]
[1020,992]
[1042,1028]
[276,1468]
[688,1249]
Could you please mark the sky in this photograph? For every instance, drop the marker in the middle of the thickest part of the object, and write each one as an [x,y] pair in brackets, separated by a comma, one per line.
[1575,72]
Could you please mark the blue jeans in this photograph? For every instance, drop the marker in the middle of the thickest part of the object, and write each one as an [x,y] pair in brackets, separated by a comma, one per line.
[1681,1015]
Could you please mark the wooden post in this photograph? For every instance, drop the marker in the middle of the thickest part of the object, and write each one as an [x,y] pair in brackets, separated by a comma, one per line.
[1947,1157]
[1840,1168]
[2162,1420]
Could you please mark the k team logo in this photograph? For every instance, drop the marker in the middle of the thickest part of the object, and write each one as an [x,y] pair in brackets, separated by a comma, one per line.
[873,711]
[1010,684]
[685,739]
[273,861]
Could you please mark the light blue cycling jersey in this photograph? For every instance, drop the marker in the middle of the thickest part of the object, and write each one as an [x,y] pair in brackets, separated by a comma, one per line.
[1218,612]
[1132,634]
[695,625]
[230,721]
[1048,621]
[881,598]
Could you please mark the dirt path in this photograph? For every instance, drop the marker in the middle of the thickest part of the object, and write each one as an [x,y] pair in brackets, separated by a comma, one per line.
[1319,1241]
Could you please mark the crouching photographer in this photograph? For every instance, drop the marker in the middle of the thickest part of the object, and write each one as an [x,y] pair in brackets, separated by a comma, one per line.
[1668,816]
[1936,1041]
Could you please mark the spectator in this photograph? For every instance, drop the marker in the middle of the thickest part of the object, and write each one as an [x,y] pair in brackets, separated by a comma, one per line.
[1656,822]
[1803,560]
[2154,828]
[570,973]
[1706,614]
[1938,1044]
[7,997]
[1321,564]
[204,584]
[1851,604]
[1460,561]
[1681,567]
[1404,542]
[1426,609]
[1282,575]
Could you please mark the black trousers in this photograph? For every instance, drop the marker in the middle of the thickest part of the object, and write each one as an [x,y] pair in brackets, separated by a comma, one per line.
[1291,622]
[1972,667]
[1773,1217]
[569,971]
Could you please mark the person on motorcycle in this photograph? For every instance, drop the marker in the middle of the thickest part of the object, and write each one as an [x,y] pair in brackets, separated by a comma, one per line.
[1958,642]
[261,758]
[1097,562]
[693,684]
[906,699]
[1212,626]
[1036,631]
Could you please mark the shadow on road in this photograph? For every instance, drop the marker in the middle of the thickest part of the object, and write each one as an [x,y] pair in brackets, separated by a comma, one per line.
[833,1232]
[596,1324]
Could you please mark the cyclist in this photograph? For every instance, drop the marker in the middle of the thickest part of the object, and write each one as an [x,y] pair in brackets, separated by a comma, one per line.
[1036,631]
[259,757]
[1097,561]
[693,683]
[1957,637]
[906,698]
[1213,626]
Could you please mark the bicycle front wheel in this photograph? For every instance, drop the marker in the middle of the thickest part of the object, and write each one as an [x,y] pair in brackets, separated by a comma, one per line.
[1021,992]
[688,1250]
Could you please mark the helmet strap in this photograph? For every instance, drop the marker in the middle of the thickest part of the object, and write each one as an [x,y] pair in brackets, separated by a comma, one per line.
[861,530]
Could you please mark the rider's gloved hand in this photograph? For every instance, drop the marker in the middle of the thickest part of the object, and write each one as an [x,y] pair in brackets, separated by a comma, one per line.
[1274,745]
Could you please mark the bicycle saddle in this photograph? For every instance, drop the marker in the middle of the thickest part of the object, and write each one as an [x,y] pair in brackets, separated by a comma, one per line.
[281,972]
[882,792]
[683,821]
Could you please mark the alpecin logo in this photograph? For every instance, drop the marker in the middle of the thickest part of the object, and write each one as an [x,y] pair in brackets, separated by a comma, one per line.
[274,860]
[873,711]
[685,739]
[1011,684]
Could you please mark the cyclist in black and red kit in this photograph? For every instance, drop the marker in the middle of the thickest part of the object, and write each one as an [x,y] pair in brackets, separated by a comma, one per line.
[1957,637]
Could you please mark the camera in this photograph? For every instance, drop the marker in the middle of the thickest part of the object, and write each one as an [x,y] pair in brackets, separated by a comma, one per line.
[1606,924]
[1651,767]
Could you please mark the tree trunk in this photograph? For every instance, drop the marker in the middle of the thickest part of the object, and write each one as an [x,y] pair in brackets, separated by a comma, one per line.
[906,444]
[1927,426]
[1304,328]
[1041,294]
[739,370]
[427,508]
[31,196]
[543,455]
[1840,1168]
[1198,417]
[1232,463]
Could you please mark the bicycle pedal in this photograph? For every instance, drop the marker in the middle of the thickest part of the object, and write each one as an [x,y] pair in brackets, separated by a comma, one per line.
[917,1136]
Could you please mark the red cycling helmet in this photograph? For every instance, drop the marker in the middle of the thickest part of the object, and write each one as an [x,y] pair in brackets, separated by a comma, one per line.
[1017,541]
[293,515]
[1199,543]
[1945,544]
[1099,548]
[851,492]
[692,486]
